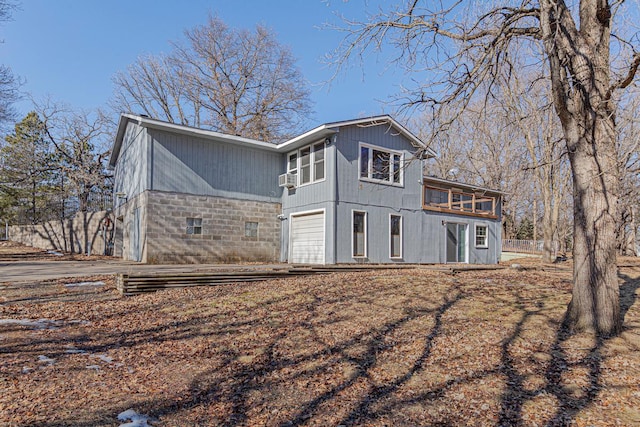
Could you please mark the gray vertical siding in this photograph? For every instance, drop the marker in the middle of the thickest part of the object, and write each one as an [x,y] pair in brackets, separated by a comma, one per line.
[423,232]
[171,162]
[352,190]
[192,165]
[132,170]
[378,200]
[312,197]
[346,192]
[434,238]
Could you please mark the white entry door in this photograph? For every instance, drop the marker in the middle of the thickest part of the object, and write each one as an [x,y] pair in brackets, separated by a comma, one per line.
[307,239]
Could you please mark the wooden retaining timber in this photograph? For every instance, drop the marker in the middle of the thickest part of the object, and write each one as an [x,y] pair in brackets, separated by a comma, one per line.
[137,283]
[24,256]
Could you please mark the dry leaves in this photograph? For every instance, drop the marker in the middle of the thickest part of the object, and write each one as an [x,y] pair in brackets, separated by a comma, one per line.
[407,347]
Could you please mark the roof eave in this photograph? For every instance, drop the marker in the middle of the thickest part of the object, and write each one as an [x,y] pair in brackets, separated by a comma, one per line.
[331,128]
[182,129]
[470,187]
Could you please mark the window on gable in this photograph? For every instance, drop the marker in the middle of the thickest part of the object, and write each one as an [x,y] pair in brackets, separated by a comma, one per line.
[359,238]
[194,225]
[395,236]
[397,168]
[380,165]
[482,240]
[308,163]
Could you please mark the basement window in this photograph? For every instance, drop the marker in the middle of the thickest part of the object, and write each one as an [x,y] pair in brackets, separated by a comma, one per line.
[194,225]
[250,229]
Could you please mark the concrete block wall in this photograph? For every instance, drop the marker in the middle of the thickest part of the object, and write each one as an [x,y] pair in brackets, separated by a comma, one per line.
[83,234]
[223,229]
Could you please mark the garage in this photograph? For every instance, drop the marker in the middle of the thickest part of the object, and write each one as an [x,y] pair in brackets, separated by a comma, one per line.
[307,238]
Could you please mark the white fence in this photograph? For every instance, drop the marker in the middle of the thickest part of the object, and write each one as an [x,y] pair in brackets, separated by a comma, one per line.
[528,246]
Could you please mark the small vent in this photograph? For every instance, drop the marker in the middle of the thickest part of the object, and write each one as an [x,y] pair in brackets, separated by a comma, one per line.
[287,180]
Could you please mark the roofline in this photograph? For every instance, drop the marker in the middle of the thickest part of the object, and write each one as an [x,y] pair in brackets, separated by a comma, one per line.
[148,122]
[319,132]
[461,184]
[332,127]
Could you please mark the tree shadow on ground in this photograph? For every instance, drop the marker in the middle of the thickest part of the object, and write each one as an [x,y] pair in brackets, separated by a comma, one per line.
[237,385]
[264,374]
[569,401]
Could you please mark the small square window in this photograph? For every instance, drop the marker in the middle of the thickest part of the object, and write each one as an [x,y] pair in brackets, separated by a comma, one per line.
[251,229]
[194,225]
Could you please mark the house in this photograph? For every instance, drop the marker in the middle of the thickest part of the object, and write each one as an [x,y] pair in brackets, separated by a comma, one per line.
[344,192]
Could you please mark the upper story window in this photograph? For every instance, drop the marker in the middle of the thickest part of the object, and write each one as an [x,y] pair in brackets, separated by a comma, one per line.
[308,163]
[292,164]
[381,165]
[458,201]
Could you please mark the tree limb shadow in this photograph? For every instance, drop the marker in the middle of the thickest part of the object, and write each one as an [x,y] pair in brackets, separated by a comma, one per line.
[569,404]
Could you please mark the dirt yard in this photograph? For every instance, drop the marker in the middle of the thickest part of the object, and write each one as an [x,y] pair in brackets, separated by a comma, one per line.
[394,348]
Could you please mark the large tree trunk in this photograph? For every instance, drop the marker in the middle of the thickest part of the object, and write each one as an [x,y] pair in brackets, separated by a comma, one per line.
[595,300]
[580,76]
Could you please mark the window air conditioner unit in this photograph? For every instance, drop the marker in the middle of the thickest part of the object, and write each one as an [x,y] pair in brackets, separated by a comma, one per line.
[287,180]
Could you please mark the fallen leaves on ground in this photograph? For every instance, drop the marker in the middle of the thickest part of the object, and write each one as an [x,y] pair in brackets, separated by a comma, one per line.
[401,347]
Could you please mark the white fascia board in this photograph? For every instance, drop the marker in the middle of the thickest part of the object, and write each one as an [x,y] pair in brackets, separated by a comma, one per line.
[331,128]
[306,138]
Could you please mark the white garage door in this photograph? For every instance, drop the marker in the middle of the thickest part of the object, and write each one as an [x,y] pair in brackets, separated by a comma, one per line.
[307,239]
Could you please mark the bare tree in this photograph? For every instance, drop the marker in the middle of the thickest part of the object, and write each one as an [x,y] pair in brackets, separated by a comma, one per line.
[9,84]
[528,104]
[155,86]
[234,81]
[479,148]
[469,47]
[629,164]
[81,145]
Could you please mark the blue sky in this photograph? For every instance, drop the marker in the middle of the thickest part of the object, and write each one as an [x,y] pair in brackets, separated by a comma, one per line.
[70,49]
